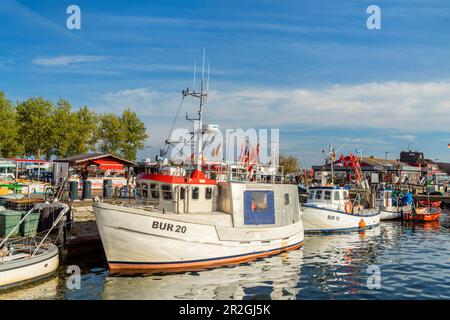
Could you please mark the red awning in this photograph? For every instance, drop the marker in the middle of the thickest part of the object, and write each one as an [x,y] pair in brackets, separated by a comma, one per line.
[108,165]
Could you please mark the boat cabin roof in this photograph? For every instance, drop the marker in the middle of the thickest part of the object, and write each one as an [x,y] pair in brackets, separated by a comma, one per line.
[197,177]
[329,188]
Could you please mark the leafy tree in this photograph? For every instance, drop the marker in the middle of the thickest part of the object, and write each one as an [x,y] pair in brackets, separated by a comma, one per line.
[34,120]
[9,146]
[110,133]
[64,129]
[290,164]
[86,131]
[134,134]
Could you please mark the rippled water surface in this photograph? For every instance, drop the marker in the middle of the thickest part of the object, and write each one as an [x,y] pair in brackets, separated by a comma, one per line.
[413,259]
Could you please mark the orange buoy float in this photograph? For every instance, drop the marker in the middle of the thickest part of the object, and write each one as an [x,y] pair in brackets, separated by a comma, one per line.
[362,224]
[348,207]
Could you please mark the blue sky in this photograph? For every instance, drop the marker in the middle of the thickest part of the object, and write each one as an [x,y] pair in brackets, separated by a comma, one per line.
[310,68]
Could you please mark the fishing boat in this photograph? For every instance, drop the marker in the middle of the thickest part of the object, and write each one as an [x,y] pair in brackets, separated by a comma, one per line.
[27,259]
[199,221]
[329,208]
[423,214]
[390,208]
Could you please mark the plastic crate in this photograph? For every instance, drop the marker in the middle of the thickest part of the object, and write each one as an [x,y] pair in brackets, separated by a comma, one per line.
[8,220]
[28,228]
[22,204]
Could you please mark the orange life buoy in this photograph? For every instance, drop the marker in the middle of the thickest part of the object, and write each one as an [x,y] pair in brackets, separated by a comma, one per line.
[348,206]
[362,224]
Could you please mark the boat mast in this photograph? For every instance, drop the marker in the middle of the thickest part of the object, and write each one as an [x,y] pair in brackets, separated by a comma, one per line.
[198,121]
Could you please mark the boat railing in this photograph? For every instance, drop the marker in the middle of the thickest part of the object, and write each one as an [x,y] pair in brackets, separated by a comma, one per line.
[245,172]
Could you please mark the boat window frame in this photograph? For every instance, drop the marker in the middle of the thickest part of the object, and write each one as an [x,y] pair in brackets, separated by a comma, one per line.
[338,193]
[145,190]
[197,193]
[286,198]
[319,195]
[325,195]
[154,191]
[208,193]
[182,193]
[312,195]
[166,193]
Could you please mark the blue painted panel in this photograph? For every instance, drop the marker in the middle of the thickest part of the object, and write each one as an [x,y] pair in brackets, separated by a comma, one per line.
[259,207]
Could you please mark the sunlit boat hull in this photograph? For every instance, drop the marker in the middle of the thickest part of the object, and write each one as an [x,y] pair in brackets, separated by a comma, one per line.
[316,219]
[132,242]
[18,272]
[423,215]
[387,215]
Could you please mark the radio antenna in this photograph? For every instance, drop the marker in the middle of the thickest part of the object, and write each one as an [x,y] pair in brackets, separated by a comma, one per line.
[195,65]
[207,81]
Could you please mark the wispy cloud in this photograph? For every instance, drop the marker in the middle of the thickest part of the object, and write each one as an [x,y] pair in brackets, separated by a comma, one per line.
[407,137]
[66,60]
[422,107]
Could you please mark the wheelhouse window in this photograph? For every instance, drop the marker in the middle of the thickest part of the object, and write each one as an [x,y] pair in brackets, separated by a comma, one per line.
[144,190]
[286,199]
[259,201]
[195,193]
[345,194]
[337,195]
[154,191]
[311,195]
[182,193]
[318,194]
[327,195]
[208,193]
[166,192]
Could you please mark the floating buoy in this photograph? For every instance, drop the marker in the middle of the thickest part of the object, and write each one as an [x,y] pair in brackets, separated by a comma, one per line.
[362,224]
[348,207]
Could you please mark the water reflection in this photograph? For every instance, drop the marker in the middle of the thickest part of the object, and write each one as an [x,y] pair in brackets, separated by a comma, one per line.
[413,259]
[273,278]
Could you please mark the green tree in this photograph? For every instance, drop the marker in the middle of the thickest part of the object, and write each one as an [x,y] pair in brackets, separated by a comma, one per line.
[9,145]
[110,133]
[34,121]
[134,134]
[86,131]
[64,130]
[290,164]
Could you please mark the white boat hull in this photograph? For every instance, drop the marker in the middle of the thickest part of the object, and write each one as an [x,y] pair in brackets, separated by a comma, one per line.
[317,219]
[16,273]
[135,239]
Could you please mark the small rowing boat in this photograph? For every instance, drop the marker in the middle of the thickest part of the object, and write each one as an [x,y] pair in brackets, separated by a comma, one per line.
[28,259]
[423,214]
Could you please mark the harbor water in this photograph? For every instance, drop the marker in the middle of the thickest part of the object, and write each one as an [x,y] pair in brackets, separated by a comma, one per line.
[396,260]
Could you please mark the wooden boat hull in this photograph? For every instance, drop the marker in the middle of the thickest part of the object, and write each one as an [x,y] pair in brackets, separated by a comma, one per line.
[317,219]
[423,215]
[131,242]
[17,272]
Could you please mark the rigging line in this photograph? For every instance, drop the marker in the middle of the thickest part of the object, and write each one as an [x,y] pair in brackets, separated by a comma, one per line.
[174,120]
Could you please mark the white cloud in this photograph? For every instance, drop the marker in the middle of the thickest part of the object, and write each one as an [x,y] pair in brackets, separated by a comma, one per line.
[407,137]
[66,60]
[411,107]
